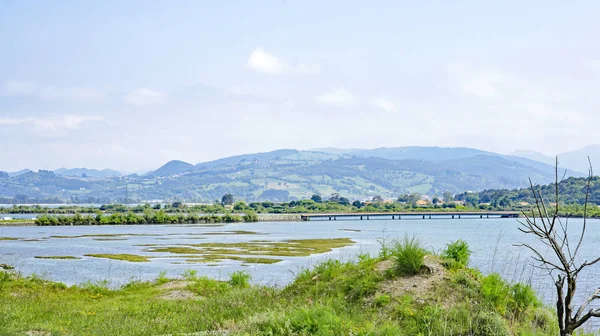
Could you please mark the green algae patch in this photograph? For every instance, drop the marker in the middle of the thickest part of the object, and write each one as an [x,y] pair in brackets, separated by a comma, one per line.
[177,250]
[123,257]
[351,230]
[57,257]
[109,239]
[8,238]
[211,258]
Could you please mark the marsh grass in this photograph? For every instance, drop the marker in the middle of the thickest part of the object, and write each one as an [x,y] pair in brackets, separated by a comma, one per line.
[408,254]
[253,252]
[123,257]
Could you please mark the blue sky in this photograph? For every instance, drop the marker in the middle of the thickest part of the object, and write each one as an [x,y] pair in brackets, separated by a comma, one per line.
[130,85]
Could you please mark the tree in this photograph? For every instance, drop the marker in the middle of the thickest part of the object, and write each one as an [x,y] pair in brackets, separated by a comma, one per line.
[357,204]
[435,200]
[344,201]
[335,197]
[564,264]
[448,197]
[240,206]
[176,204]
[377,199]
[227,199]
[316,198]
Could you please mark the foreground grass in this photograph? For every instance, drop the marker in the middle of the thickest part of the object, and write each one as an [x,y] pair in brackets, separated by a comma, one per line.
[367,297]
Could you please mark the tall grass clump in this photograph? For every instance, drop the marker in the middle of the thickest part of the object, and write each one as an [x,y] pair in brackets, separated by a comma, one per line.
[240,279]
[458,253]
[409,255]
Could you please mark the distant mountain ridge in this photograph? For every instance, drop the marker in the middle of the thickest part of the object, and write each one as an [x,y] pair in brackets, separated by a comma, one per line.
[287,174]
[576,160]
[80,172]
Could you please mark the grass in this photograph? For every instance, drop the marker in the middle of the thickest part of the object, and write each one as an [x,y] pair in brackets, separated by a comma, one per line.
[255,249]
[124,257]
[408,254]
[8,238]
[332,298]
[57,257]
[458,253]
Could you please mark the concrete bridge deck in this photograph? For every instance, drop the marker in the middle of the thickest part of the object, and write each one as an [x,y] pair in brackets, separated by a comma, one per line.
[409,215]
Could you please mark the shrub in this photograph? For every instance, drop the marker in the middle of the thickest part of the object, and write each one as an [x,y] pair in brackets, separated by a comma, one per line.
[459,252]
[408,255]
[523,297]
[489,324]
[190,274]
[4,278]
[382,300]
[162,278]
[206,287]
[240,279]
[495,291]
[250,217]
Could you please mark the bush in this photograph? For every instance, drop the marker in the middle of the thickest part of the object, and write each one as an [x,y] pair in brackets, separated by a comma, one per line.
[250,217]
[408,255]
[523,297]
[489,324]
[459,252]
[240,279]
[495,291]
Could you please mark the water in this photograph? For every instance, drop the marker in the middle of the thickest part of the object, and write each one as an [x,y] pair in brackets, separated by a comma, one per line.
[491,240]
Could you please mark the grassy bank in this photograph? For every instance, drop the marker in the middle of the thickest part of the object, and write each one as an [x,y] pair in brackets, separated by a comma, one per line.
[404,291]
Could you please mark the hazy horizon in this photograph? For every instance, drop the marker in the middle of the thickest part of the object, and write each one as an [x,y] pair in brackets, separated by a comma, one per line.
[132,85]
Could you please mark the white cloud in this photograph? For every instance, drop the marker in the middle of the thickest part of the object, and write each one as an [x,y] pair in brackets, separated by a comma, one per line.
[19,88]
[385,104]
[145,97]
[480,83]
[50,123]
[71,93]
[31,89]
[262,61]
[339,97]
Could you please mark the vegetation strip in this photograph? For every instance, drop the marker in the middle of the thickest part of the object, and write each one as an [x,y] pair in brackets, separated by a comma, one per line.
[57,257]
[123,257]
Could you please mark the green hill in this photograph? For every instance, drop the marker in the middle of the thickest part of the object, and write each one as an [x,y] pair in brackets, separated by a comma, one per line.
[289,174]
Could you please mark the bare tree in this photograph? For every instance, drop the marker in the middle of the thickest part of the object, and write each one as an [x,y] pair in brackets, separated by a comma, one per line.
[563,263]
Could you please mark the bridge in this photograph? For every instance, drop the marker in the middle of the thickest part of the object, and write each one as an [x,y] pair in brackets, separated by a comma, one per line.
[408,215]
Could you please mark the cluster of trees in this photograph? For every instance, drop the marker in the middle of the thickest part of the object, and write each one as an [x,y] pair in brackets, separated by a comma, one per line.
[149,217]
[572,191]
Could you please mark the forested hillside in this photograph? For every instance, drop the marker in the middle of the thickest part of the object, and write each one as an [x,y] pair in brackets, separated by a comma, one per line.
[289,174]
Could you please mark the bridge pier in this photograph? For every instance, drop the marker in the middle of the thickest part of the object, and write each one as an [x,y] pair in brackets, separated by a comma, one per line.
[392,216]
[360,217]
[423,216]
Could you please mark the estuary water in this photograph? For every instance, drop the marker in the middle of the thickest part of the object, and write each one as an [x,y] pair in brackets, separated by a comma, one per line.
[491,240]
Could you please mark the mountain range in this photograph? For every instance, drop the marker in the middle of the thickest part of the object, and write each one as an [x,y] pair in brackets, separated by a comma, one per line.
[287,174]
[576,160]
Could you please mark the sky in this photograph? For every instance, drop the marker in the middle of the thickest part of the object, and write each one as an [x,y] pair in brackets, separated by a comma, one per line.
[130,85]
